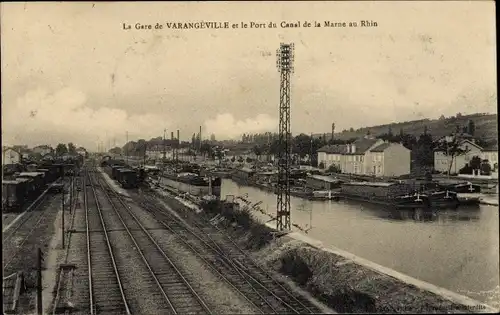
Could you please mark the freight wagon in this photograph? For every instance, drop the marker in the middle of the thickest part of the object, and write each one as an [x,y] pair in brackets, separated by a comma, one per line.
[14,194]
[48,177]
[127,178]
[38,181]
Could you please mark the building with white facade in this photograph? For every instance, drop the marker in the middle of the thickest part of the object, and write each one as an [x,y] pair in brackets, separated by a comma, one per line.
[367,156]
[10,156]
[442,160]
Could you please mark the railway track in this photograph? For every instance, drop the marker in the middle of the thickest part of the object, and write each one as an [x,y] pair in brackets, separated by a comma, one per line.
[16,243]
[233,266]
[178,294]
[29,216]
[100,289]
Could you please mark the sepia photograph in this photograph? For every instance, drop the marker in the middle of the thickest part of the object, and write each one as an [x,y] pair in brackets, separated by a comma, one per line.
[244,157]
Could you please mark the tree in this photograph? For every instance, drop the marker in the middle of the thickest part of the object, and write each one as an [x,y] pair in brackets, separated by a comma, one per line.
[321,165]
[61,149]
[451,148]
[475,162]
[233,159]
[485,168]
[71,148]
[471,127]
[389,132]
[206,149]
[115,150]
[258,151]
[249,160]
[424,150]
[302,145]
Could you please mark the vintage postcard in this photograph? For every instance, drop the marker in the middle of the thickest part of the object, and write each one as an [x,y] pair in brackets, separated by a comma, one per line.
[249,157]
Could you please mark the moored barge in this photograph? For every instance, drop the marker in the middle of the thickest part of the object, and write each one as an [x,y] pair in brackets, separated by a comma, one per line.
[392,194]
[193,184]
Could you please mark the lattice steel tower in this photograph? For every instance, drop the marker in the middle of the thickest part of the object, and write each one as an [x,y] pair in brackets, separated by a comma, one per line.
[284,64]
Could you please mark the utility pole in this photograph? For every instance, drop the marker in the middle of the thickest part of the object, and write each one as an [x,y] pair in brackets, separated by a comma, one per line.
[200,140]
[285,55]
[39,306]
[62,200]
[126,146]
[71,192]
[311,152]
[178,144]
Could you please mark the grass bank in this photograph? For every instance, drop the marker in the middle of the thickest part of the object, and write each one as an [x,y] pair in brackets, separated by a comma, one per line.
[337,281]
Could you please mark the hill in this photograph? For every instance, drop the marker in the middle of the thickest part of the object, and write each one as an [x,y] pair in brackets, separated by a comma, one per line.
[486,127]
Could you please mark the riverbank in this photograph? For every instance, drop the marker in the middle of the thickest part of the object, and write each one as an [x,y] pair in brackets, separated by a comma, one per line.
[339,279]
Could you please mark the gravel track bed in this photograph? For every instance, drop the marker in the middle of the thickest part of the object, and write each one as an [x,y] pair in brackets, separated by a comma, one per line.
[178,292]
[247,282]
[106,292]
[220,296]
[198,223]
[23,258]
[141,290]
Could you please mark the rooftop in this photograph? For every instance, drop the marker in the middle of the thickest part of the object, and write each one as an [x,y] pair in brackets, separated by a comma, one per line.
[31,174]
[374,184]
[381,148]
[334,149]
[327,179]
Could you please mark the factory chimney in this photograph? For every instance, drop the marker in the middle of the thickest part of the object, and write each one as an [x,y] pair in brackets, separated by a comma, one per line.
[200,138]
[177,145]
[333,130]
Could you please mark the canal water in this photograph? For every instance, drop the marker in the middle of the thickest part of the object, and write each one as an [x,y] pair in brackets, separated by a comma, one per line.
[456,249]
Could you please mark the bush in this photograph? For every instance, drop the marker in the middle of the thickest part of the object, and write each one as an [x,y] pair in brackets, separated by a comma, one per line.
[466,169]
[259,234]
[321,165]
[334,169]
[485,168]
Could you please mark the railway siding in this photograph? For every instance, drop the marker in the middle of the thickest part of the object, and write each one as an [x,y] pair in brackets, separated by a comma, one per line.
[19,247]
[259,291]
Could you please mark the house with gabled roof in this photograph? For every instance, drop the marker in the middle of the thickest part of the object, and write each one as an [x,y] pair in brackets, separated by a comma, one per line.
[367,156]
[442,160]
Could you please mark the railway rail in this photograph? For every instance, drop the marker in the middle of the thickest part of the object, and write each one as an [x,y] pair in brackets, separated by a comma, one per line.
[177,291]
[14,243]
[234,266]
[101,290]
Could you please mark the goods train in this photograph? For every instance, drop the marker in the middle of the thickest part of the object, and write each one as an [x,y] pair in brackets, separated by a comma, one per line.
[21,185]
[126,176]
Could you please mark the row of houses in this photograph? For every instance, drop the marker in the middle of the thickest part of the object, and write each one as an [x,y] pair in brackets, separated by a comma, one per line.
[15,154]
[367,156]
[376,157]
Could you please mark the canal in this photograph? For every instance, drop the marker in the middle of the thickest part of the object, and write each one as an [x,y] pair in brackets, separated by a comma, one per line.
[457,249]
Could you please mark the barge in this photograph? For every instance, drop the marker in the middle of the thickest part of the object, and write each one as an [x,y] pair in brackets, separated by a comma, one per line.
[193,184]
[392,194]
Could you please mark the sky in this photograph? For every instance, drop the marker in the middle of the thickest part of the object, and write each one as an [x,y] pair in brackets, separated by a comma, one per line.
[72,73]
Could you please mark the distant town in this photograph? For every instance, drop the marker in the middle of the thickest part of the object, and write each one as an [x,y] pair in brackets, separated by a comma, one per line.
[461,144]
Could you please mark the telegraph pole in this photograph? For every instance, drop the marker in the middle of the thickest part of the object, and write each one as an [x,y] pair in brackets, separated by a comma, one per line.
[285,55]
[177,145]
[39,306]
[126,146]
[62,200]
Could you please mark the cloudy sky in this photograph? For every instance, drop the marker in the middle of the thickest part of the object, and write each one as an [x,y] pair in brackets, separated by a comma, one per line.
[70,72]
